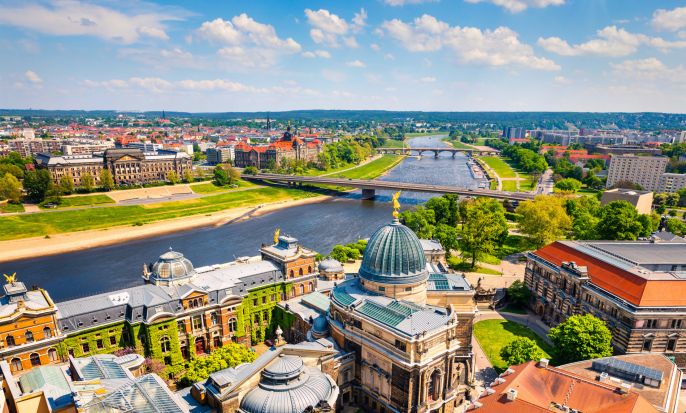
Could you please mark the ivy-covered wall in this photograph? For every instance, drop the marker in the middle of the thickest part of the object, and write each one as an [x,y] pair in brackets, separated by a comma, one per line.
[253,308]
[101,340]
[171,356]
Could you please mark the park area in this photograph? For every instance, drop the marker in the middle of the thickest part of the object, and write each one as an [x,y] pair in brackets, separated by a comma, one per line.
[493,335]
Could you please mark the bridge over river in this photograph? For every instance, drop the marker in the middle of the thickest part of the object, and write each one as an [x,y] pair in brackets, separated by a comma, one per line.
[436,151]
[369,187]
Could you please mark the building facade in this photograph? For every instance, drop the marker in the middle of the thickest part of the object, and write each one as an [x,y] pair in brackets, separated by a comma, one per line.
[642,170]
[641,200]
[289,147]
[223,154]
[76,166]
[637,287]
[671,182]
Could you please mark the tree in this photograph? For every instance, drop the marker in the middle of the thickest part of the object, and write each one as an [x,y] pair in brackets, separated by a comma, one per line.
[339,253]
[172,177]
[421,220]
[593,182]
[568,185]
[625,184]
[676,226]
[520,350]
[619,220]
[66,184]
[10,188]
[187,176]
[581,337]
[484,226]
[583,212]
[673,199]
[221,177]
[448,237]
[544,219]
[230,355]
[87,182]
[250,170]
[234,175]
[37,184]
[106,180]
[518,293]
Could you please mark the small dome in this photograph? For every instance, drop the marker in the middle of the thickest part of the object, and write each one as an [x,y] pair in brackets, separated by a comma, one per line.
[330,265]
[394,255]
[172,266]
[285,368]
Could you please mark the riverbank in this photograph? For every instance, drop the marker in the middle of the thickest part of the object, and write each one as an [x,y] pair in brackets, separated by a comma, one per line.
[16,249]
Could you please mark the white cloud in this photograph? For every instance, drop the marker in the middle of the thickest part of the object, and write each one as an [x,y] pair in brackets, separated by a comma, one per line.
[671,20]
[75,18]
[375,47]
[516,6]
[220,30]
[333,76]
[561,80]
[159,85]
[356,63]
[317,53]
[649,69]
[499,47]
[428,79]
[33,77]
[610,41]
[328,28]
[404,2]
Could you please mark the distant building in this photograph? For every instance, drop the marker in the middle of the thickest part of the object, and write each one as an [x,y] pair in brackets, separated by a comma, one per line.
[642,170]
[288,147]
[641,200]
[514,133]
[671,182]
[625,150]
[637,287]
[30,146]
[222,154]
[538,387]
[144,146]
[85,148]
[76,166]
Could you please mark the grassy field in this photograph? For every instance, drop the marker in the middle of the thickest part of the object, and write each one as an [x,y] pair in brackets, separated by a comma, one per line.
[7,208]
[393,143]
[420,134]
[209,187]
[493,335]
[84,200]
[510,186]
[499,166]
[373,169]
[457,144]
[40,224]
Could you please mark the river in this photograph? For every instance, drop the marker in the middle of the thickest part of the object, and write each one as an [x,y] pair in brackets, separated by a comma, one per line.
[319,226]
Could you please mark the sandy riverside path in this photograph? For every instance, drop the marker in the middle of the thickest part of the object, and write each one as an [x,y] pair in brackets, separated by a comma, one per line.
[23,248]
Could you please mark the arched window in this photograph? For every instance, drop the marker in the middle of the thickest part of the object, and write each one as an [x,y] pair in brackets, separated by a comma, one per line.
[232,325]
[434,390]
[214,319]
[29,336]
[309,269]
[302,288]
[292,274]
[310,286]
[47,333]
[16,364]
[300,272]
[165,344]
[35,359]
[10,341]
[52,354]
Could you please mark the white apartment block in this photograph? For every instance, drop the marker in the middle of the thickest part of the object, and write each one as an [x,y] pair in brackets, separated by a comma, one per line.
[670,182]
[643,170]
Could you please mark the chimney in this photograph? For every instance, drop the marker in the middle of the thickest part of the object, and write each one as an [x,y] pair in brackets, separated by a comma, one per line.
[543,363]
[603,377]
[511,395]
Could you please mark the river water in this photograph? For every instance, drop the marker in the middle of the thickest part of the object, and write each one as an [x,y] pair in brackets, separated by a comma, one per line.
[319,226]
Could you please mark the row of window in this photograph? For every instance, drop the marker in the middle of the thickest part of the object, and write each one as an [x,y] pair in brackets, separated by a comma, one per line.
[17,365]
[28,336]
[648,344]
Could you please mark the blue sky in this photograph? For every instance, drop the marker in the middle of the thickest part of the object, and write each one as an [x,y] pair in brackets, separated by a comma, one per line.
[450,55]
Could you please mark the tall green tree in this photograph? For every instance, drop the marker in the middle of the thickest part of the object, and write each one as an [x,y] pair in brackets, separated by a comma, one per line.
[581,337]
[520,350]
[106,180]
[568,185]
[172,177]
[221,177]
[87,182]
[484,227]
[187,176]
[10,188]
[37,184]
[584,212]
[544,219]
[518,293]
[421,220]
[619,220]
[66,184]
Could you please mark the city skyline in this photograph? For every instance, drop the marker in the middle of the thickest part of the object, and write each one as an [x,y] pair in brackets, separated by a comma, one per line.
[447,55]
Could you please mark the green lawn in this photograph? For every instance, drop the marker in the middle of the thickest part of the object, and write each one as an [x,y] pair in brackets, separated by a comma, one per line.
[510,186]
[8,208]
[373,169]
[499,166]
[493,335]
[84,200]
[40,224]
[514,244]
[210,187]
[393,143]
[457,264]
[457,144]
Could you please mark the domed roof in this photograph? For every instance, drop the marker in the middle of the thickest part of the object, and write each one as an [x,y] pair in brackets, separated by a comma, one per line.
[172,266]
[320,324]
[330,265]
[287,386]
[394,255]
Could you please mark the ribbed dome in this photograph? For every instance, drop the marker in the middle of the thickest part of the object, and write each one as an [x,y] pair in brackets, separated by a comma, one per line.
[394,255]
[172,266]
[330,265]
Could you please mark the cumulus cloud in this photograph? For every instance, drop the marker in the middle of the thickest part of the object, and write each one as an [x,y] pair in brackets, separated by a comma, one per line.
[428,79]
[33,77]
[330,29]
[404,2]
[610,41]
[159,85]
[499,47]
[516,6]
[356,63]
[317,53]
[76,18]
[650,69]
[670,20]
[561,80]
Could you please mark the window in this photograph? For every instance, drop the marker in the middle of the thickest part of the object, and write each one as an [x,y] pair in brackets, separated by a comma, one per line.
[408,289]
[310,286]
[650,323]
[292,274]
[99,344]
[29,337]
[257,318]
[35,359]
[47,333]
[647,344]
[165,344]
[264,300]
[382,288]
[85,347]
[181,326]
[273,297]
[197,322]
[16,364]
[309,269]
[214,319]
[400,345]
[302,289]
[113,340]
[254,302]
[300,272]
[671,344]
[52,354]
[232,325]
[675,324]
[10,341]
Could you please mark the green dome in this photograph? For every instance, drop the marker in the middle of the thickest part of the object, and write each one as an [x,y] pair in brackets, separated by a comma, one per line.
[394,255]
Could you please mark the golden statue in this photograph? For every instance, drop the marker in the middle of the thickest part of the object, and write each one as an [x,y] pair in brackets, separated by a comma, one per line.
[276,235]
[396,205]
[10,278]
